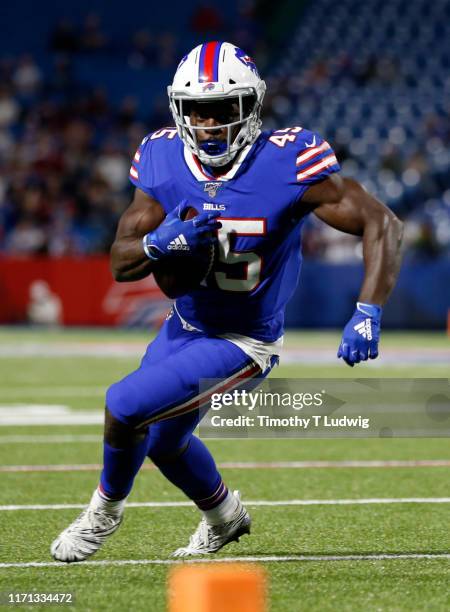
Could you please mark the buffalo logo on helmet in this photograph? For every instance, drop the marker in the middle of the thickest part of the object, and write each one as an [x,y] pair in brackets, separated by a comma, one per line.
[208,87]
[247,61]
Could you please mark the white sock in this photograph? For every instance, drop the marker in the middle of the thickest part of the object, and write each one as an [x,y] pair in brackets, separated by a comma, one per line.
[100,501]
[223,513]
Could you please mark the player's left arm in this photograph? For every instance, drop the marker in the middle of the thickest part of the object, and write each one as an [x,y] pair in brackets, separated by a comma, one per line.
[346,206]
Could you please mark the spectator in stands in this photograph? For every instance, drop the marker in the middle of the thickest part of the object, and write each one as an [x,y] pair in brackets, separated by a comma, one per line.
[143,50]
[424,244]
[167,50]
[92,38]
[27,76]
[9,107]
[27,238]
[113,166]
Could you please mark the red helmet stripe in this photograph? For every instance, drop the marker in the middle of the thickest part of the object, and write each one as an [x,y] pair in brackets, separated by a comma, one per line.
[208,70]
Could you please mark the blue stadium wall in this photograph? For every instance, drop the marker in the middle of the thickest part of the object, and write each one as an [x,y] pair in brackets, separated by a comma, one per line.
[327,293]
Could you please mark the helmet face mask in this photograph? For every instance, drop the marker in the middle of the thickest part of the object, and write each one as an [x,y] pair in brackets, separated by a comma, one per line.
[233,101]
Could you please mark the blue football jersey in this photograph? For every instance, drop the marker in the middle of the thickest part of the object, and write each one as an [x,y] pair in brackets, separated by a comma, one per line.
[259,252]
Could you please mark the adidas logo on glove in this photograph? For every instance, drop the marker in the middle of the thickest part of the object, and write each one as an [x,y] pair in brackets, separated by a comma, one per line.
[179,244]
[364,329]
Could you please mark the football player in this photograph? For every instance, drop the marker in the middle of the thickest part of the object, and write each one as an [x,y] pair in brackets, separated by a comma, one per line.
[253,191]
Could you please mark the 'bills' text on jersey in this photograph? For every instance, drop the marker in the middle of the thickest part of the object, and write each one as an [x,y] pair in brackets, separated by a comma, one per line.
[259,253]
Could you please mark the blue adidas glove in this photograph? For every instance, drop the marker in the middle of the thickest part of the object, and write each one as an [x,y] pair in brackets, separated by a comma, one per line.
[177,237]
[361,334]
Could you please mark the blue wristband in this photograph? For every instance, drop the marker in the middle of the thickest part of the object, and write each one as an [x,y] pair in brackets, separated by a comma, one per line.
[370,310]
[149,249]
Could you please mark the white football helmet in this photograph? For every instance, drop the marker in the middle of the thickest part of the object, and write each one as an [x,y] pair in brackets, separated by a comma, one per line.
[213,72]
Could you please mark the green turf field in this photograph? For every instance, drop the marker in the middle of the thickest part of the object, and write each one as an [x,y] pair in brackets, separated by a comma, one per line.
[330,544]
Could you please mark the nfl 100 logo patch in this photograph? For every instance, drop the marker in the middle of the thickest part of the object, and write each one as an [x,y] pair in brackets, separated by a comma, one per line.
[212,187]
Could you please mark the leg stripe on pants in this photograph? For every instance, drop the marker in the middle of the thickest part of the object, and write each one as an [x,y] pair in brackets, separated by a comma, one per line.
[248,371]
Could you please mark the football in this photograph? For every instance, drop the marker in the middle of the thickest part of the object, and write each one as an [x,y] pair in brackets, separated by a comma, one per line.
[176,276]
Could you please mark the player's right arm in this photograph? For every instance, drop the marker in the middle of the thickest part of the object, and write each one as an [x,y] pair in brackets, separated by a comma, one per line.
[128,259]
[146,236]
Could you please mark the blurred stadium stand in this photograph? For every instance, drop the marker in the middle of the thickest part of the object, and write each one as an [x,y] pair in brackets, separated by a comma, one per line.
[81,84]
[375,79]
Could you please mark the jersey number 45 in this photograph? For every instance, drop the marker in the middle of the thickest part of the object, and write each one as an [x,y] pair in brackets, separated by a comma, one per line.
[230,230]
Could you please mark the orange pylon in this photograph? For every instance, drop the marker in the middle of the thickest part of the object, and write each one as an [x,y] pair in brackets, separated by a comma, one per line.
[221,587]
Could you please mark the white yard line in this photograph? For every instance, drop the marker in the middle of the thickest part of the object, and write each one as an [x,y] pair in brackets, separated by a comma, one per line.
[259,502]
[27,415]
[82,467]
[239,465]
[56,391]
[21,349]
[261,559]
[50,439]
